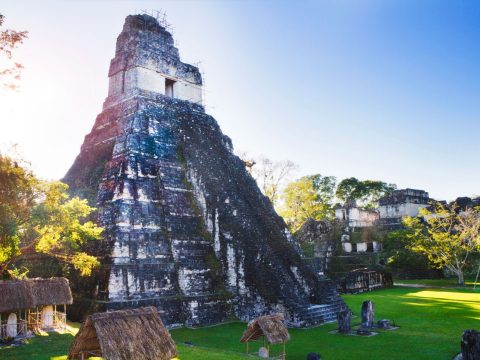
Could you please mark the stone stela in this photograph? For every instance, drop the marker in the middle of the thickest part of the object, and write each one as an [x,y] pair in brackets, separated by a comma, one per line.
[344,319]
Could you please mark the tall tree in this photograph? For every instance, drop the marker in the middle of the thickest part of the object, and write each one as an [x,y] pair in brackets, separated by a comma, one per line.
[38,217]
[365,193]
[446,236]
[269,174]
[9,40]
[308,197]
[399,257]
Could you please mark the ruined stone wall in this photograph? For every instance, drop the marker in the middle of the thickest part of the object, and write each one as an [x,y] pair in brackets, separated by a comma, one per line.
[400,210]
[362,280]
[321,236]
[401,203]
[357,217]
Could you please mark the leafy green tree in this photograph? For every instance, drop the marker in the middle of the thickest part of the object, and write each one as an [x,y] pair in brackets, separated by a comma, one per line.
[447,236]
[9,40]
[399,257]
[308,197]
[38,217]
[363,192]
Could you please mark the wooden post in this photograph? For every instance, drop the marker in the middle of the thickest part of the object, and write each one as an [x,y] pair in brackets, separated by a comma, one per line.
[25,321]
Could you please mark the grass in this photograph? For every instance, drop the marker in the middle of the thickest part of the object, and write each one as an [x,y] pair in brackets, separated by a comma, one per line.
[441,283]
[45,346]
[431,321]
[54,346]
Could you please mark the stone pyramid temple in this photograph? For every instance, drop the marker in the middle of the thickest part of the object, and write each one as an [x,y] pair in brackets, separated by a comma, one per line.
[186,227]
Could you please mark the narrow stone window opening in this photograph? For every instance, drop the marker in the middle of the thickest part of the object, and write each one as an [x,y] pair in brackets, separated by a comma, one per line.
[169,88]
[370,247]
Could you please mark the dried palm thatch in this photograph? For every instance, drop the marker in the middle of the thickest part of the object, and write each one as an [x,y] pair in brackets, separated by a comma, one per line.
[124,335]
[53,291]
[270,326]
[27,294]
[15,295]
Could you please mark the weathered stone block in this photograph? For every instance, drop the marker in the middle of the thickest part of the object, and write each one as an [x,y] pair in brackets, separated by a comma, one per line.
[470,345]
[344,319]
[383,324]
[368,309]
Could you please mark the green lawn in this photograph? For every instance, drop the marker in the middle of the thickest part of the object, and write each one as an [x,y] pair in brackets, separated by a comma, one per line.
[54,346]
[431,321]
[441,283]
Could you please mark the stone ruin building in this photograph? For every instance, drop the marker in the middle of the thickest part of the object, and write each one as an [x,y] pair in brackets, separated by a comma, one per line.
[401,203]
[187,229]
[321,235]
[356,223]
[361,226]
[349,248]
[466,202]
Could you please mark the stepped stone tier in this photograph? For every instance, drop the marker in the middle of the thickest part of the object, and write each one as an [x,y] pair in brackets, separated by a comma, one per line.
[187,228]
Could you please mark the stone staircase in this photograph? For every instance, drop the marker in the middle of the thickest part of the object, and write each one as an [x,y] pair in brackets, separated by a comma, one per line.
[306,315]
[313,315]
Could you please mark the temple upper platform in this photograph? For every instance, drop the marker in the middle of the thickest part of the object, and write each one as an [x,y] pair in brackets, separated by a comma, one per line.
[147,59]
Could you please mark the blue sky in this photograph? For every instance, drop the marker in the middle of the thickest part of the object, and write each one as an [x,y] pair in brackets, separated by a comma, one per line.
[384,90]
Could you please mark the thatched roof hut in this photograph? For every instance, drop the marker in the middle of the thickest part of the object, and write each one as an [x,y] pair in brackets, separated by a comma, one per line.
[270,326]
[123,335]
[27,294]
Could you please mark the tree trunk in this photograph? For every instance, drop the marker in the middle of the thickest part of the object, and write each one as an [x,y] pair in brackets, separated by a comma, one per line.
[460,279]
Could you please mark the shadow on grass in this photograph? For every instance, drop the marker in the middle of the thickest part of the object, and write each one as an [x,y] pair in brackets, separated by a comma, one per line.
[52,346]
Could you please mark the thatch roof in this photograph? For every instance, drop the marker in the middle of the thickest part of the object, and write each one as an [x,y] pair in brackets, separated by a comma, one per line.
[270,326]
[26,294]
[15,295]
[124,335]
[53,291]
